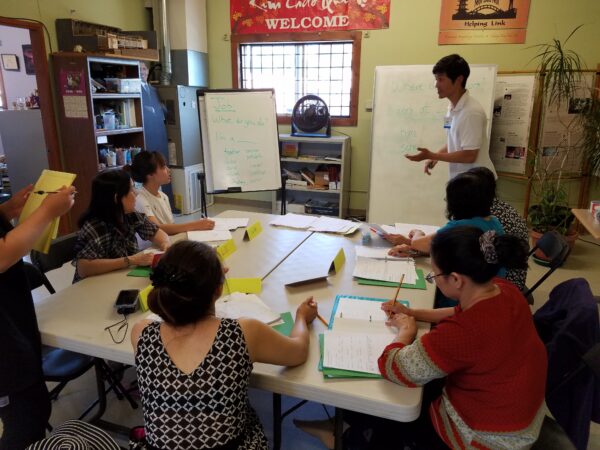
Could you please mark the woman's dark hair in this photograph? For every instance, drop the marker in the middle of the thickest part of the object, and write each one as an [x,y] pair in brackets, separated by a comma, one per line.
[145,163]
[467,196]
[459,250]
[185,281]
[453,66]
[107,186]
[488,179]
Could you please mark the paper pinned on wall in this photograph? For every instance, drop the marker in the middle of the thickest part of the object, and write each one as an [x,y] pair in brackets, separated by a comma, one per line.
[49,181]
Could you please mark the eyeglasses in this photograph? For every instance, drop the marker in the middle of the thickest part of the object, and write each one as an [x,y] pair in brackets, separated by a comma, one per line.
[430,277]
[119,335]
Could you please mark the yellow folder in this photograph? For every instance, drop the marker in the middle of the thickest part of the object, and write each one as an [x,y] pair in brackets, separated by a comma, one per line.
[50,180]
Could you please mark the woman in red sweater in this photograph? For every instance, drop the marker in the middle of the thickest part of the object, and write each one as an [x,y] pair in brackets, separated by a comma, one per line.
[486,347]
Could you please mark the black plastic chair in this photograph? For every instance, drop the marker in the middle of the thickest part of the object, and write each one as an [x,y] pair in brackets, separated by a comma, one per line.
[61,365]
[555,248]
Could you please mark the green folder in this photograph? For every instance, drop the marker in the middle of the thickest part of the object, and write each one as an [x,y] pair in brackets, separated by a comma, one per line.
[339,373]
[140,271]
[285,328]
[420,284]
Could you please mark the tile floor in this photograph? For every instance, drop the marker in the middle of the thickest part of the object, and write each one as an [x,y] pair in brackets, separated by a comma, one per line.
[80,393]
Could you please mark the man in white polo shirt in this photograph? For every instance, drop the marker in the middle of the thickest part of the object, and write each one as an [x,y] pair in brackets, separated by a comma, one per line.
[465,122]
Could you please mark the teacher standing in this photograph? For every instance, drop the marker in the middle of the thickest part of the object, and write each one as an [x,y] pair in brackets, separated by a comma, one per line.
[465,121]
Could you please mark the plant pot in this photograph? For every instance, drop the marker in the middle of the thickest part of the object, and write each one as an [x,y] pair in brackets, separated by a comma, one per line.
[539,257]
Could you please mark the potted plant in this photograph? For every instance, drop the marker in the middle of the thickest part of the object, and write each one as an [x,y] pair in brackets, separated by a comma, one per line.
[561,83]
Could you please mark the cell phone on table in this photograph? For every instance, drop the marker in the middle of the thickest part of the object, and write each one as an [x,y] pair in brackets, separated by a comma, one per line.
[127,301]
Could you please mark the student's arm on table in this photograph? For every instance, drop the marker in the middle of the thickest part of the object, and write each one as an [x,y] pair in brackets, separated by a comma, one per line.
[417,247]
[136,332]
[176,228]
[90,267]
[269,346]
[422,315]
[17,242]
[160,240]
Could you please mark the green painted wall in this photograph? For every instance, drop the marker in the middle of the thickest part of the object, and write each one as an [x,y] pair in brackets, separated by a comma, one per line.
[412,39]
[124,14]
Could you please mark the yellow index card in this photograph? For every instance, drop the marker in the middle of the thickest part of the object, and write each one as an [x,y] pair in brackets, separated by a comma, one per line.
[253,230]
[226,249]
[144,297]
[338,261]
[245,285]
[49,181]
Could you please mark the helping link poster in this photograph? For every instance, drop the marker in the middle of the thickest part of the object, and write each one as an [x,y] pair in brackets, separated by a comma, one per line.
[483,21]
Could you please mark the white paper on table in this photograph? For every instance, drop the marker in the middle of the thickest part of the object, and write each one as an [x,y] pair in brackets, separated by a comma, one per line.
[294,221]
[209,235]
[358,309]
[405,228]
[227,223]
[238,305]
[332,225]
[385,270]
[376,253]
[354,351]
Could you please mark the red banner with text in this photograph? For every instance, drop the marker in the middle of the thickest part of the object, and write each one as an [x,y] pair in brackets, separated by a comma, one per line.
[292,16]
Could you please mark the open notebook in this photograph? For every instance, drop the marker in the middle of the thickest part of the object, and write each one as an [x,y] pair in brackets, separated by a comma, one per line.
[356,338]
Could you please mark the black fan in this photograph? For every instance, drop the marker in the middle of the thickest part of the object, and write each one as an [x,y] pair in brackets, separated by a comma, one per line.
[310,117]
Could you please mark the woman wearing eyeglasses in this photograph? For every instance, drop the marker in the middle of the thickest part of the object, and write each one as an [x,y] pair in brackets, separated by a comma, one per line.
[486,348]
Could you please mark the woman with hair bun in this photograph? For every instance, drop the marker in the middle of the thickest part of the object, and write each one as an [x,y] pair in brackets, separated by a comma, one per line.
[193,368]
[487,347]
[150,169]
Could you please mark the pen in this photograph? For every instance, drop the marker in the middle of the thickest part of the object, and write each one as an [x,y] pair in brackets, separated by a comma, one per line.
[398,290]
[320,317]
[49,192]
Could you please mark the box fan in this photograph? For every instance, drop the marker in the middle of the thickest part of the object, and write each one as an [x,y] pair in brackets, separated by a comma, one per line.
[310,117]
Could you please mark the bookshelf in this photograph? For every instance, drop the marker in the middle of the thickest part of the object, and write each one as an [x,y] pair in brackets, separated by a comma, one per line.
[99,112]
[325,161]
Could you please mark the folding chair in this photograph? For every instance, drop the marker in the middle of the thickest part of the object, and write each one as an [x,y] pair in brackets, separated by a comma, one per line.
[556,249]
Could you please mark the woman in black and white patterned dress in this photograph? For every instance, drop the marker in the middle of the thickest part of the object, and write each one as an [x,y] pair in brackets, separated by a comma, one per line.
[193,368]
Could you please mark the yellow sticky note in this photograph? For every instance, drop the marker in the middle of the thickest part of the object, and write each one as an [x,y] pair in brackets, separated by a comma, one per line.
[339,260]
[144,297]
[226,249]
[253,230]
[245,285]
[49,181]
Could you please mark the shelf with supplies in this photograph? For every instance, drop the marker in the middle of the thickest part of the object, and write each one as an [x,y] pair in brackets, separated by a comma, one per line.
[100,116]
[119,131]
[115,96]
[317,174]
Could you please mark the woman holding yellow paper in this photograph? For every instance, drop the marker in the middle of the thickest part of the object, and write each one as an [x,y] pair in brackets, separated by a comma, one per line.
[24,402]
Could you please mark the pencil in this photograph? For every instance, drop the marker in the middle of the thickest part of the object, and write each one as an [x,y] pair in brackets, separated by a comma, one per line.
[320,317]
[398,290]
[49,192]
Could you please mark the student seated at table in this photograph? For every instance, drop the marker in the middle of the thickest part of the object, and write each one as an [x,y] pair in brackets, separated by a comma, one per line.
[193,368]
[487,347]
[467,203]
[150,169]
[106,239]
[510,219]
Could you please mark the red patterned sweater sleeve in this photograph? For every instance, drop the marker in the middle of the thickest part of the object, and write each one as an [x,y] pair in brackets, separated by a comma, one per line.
[433,355]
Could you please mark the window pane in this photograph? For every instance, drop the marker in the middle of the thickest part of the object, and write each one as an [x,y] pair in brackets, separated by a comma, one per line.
[298,69]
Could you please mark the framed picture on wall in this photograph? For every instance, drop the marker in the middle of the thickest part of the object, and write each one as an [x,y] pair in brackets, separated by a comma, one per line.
[10,61]
[28,59]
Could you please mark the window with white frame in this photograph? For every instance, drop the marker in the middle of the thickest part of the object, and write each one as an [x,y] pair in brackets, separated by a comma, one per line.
[321,66]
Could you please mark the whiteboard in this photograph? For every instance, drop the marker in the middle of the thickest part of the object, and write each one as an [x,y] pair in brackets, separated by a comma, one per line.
[407,114]
[240,140]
